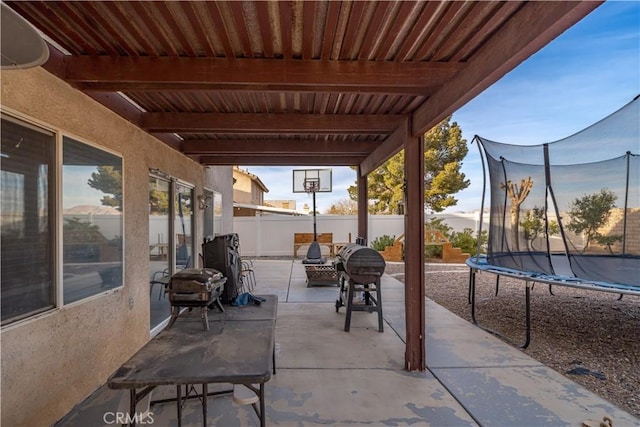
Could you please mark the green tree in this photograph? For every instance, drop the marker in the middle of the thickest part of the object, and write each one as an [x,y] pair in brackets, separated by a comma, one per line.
[108,179]
[444,151]
[466,242]
[589,213]
[343,207]
[533,226]
[158,202]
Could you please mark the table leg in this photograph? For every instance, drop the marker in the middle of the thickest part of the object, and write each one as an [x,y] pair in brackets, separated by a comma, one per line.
[204,404]
[132,407]
[179,403]
[262,414]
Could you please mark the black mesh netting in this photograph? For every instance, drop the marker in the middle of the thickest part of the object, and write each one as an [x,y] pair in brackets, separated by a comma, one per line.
[571,207]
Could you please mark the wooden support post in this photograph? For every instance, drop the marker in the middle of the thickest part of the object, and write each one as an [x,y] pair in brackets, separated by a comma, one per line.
[415,352]
[363,206]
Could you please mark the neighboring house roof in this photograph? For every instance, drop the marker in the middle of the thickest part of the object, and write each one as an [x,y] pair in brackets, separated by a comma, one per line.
[269,209]
[253,177]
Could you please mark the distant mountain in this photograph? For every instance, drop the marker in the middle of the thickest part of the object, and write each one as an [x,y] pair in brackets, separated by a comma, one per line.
[91,209]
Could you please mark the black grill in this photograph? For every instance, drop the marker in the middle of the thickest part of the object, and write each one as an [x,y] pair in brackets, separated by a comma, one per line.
[362,264]
[195,287]
[360,269]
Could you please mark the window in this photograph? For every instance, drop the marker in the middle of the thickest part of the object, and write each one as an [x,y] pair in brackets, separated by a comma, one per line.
[27,275]
[90,221]
[217,213]
[212,214]
[183,226]
[92,215]
[159,241]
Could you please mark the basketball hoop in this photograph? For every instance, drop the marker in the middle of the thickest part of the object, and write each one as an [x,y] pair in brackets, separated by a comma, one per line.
[312,181]
[311,185]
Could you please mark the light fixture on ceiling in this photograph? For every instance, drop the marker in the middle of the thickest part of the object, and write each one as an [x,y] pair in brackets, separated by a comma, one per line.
[21,46]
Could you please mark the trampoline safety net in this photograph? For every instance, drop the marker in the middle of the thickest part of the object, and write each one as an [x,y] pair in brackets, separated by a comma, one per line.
[571,207]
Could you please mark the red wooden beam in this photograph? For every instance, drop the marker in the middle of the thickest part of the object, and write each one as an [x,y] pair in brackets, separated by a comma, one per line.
[285,123]
[174,73]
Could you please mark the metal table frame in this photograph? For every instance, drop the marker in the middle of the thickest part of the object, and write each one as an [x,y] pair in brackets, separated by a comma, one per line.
[187,354]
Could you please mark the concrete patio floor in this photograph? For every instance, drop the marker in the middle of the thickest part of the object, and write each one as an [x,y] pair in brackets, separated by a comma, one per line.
[326,376]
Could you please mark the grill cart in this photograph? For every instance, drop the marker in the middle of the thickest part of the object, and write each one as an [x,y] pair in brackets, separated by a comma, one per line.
[360,269]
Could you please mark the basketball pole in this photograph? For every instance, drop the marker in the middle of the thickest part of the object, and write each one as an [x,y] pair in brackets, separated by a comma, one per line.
[315,238]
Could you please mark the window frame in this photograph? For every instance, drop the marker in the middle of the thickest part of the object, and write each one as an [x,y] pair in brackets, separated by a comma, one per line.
[56,217]
[60,218]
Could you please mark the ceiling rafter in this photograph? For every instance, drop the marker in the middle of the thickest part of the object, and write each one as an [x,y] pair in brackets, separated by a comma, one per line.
[171,73]
[280,160]
[350,146]
[283,123]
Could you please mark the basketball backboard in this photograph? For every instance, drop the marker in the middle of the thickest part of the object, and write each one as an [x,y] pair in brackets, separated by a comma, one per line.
[312,180]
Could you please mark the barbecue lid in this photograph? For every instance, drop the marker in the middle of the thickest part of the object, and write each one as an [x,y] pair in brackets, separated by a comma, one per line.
[203,275]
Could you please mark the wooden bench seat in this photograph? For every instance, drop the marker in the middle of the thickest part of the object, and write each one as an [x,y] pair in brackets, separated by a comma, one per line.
[305,239]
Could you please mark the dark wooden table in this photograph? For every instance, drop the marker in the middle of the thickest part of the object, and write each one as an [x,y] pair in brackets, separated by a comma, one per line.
[238,348]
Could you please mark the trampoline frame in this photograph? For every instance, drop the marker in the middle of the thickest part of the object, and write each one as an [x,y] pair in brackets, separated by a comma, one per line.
[479,263]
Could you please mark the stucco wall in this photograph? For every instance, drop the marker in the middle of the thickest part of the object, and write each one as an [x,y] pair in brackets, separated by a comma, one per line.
[52,362]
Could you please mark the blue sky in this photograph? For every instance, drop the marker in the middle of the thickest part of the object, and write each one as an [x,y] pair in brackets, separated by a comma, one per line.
[582,76]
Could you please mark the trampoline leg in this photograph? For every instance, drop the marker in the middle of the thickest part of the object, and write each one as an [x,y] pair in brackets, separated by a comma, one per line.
[472,301]
[550,290]
[497,283]
[472,296]
[620,297]
[527,311]
[471,278]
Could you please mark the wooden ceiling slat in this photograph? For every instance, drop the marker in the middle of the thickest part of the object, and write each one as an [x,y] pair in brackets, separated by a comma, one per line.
[297,29]
[494,19]
[285,28]
[242,27]
[331,25]
[264,22]
[198,28]
[110,17]
[355,24]
[376,29]
[391,37]
[89,26]
[219,27]
[175,29]
[341,29]
[85,36]
[423,26]
[309,29]
[470,20]
[362,104]
[152,30]
[272,123]
[446,24]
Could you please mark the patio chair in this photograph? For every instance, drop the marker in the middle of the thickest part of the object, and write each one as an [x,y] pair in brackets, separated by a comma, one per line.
[159,278]
[247,276]
[162,277]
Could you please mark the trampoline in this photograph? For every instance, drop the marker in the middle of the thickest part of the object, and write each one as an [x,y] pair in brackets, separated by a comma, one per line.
[565,213]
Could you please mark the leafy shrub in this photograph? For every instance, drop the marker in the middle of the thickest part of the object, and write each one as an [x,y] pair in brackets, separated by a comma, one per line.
[380,243]
[467,242]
